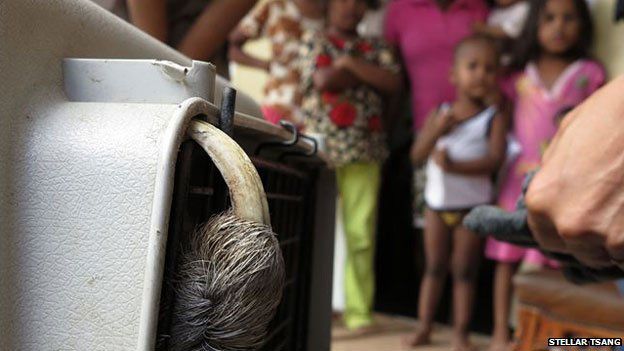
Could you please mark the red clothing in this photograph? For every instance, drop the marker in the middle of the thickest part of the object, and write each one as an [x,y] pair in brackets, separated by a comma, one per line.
[426,37]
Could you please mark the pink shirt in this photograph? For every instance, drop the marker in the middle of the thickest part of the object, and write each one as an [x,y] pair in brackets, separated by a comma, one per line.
[535,113]
[426,37]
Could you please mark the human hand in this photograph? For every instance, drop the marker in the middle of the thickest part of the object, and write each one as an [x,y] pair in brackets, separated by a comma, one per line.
[343,62]
[441,158]
[576,201]
[512,227]
[480,27]
[444,122]
[495,98]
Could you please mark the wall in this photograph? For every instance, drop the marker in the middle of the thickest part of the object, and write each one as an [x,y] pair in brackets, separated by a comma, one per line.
[609,48]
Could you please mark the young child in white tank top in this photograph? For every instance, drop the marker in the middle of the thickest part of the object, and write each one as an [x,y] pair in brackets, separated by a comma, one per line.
[463,143]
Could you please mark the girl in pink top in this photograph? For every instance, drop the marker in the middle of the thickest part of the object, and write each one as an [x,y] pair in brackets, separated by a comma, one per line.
[555,73]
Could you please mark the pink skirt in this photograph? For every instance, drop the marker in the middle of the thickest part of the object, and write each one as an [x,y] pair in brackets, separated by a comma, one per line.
[507,253]
[271,114]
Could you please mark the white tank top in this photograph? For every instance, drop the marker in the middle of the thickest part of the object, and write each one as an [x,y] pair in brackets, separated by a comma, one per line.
[466,142]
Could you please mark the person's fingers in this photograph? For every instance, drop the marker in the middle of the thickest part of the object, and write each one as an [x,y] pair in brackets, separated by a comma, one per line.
[538,201]
[615,248]
[576,202]
[595,258]
[589,251]
[545,233]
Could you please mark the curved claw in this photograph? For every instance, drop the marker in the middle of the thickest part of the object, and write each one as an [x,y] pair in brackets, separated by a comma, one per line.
[492,221]
[246,191]
[512,227]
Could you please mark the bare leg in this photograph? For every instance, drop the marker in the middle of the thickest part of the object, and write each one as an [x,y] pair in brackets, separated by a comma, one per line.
[466,258]
[502,298]
[437,251]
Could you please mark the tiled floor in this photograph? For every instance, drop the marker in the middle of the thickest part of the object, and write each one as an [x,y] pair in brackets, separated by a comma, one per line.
[391,332]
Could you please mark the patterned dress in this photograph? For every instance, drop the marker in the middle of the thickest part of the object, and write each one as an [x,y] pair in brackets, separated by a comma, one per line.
[535,123]
[349,120]
[281,22]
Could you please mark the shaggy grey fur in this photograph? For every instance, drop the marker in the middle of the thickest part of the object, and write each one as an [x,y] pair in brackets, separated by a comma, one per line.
[229,285]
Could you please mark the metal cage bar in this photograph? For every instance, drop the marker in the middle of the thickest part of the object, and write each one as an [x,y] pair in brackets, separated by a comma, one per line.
[200,192]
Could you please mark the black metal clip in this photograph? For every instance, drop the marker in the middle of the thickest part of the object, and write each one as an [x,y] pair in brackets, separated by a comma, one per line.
[273,144]
[291,142]
[309,153]
[226,114]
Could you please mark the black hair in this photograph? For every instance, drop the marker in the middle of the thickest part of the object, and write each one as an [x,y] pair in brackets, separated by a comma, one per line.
[373,4]
[476,38]
[527,47]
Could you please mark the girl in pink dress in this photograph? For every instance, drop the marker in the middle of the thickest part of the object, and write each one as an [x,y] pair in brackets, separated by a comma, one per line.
[554,73]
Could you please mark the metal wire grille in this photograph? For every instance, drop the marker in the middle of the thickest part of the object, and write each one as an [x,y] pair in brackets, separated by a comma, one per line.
[200,192]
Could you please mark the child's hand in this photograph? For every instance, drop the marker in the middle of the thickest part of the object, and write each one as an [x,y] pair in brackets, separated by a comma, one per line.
[480,28]
[495,98]
[444,122]
[440,156]
[344,62]
[493,31]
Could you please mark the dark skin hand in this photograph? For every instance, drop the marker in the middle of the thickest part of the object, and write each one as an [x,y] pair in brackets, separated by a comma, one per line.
[436,125]
[347,71]
[575,202]
[439,125]
[334,79]
[383,80]
[492,31]
[236,53]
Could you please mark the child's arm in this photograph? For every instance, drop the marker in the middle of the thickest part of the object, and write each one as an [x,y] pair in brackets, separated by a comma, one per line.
[382,79]
[486,165]
[236,53]
[253,26]
[333,79]
[210,30]
[436,125]
[150,16]
[492,31]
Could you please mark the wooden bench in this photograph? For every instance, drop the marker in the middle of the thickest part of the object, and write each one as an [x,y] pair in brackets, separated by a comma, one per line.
[552,307]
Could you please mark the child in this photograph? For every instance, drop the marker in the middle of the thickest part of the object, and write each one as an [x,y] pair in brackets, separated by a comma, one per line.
[554,72]
[425,33]
[283,22]
[343,79]
[464,142]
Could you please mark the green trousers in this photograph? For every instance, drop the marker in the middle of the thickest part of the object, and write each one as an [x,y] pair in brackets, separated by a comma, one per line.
[358,184]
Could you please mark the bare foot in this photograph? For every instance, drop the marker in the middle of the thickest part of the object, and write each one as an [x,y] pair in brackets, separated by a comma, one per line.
[500,341]
[464,347]
[420,337]
[463,344]
[366,330]
[359,332]
[500,345]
